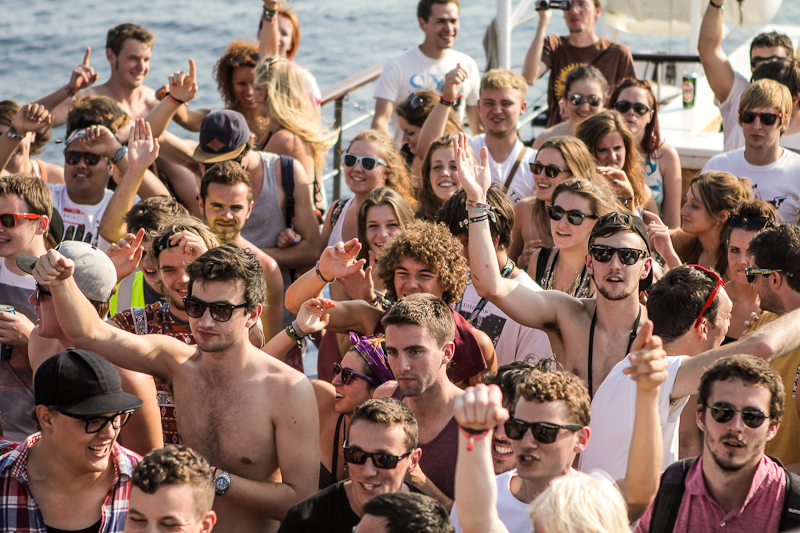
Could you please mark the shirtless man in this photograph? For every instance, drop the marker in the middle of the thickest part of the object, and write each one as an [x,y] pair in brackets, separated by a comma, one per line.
[247,414]
[602,327]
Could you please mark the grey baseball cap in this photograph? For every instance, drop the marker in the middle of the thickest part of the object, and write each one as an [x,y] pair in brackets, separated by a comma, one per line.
[95,273]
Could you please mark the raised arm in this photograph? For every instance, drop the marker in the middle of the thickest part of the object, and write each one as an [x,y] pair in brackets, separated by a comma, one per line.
[716,65]
[534,67]
[182,88]
[478,410]
[313,317]
[30,117]
[649,370]
[59,101]
[436,122]
[156,355]
[383,112]
[270,34]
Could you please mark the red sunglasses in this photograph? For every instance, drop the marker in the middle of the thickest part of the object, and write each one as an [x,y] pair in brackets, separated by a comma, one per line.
[9,220]
[719,283]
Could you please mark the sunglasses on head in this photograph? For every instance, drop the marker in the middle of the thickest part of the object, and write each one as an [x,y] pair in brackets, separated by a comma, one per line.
[379,459]
[574,216]
[724,412]
[752,272]
[578,100]
[717,284]
[754,62]
[73,157]
[767,119]
[415,101]
[551,171]
[627,256]
[623,106]
[367,163]
[544,432]
[95,424]
[9,220]
[755,222]
[220,312]
[245,60]
[348,374]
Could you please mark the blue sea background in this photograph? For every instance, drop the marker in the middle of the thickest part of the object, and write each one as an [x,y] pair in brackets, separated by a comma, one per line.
[41,41]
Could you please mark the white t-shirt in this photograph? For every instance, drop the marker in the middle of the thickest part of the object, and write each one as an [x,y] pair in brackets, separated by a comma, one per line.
[513,513]
[778,183]
[81,222]
[412,70]
[613,411]
[522,186]
[732,131]
[512,342]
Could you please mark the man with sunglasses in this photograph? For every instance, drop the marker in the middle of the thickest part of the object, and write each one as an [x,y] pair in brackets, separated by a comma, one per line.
[733,485]
[582,46]
[73,475]
[728,84]
[251,416]
[380,450]
[764,113]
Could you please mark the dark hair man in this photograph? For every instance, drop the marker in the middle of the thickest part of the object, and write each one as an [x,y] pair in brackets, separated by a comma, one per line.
[232,398]
[404,513]
[171,486]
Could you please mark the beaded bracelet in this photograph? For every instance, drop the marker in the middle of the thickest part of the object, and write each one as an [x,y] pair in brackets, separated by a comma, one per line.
[480,218]
[295,333]
[321,277]
[473,435]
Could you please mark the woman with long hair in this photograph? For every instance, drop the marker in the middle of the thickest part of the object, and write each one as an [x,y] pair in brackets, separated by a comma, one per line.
[584,95]
[575,205]
[235,73]
[558,159]
[439,178]
[637,103]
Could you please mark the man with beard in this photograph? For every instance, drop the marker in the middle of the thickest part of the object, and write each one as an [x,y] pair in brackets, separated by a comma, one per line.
[733,484]
[233,400]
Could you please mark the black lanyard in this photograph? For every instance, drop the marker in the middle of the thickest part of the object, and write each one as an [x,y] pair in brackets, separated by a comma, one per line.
[591,342]
[507,270]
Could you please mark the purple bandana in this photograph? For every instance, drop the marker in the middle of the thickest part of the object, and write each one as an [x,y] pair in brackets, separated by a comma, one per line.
[375,357]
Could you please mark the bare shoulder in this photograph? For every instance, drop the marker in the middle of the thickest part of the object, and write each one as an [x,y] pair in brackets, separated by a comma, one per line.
[325,395]
[523,207]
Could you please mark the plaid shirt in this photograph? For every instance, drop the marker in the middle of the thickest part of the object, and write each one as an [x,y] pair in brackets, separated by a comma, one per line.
[19,511]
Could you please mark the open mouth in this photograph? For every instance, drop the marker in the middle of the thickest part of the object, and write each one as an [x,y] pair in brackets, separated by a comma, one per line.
[526,460]
[501,449]
[101,450]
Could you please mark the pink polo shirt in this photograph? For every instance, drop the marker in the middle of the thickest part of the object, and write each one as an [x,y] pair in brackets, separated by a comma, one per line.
[760,512]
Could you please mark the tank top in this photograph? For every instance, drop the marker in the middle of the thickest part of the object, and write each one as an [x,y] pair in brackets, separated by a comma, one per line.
[336,231]
[655,181]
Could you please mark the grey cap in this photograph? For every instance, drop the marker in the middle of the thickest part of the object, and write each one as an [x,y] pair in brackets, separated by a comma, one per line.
[95,273]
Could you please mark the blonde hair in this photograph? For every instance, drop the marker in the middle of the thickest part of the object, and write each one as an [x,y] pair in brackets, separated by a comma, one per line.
[580,503]
[397,178]
[767,93]
[500,78]
[291,107]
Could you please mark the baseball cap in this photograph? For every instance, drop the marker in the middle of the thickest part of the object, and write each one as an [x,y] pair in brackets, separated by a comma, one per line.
[618,221]
[223,136]
[95,273]
[80,382]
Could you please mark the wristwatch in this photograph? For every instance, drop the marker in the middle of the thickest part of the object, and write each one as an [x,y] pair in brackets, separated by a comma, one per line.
[12,133]
[222,482]
[119,155]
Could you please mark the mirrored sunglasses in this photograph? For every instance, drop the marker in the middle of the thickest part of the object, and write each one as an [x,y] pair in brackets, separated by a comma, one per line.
[724,412]
[579,99]
[623,106]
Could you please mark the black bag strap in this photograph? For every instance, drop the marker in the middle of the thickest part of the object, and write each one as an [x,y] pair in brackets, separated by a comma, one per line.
[670,494]
[287,181]
[541,264]
[336,210]
[790,517]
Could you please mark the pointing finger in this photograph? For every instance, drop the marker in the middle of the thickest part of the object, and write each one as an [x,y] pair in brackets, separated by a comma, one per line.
[192,70]
[87,56]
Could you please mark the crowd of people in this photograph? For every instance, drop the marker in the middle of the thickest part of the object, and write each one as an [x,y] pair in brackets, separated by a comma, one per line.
[158,295]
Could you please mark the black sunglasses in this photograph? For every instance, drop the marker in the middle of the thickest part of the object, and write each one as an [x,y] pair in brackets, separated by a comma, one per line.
[95,424]
[9,220]
[41,291]
[348,374]
[755,222]
[544,432]
[623,106]
[574,216]
[220,312]
[379,459]
[73,157]
[367,163]
[627,256]
[551,171]
[246,60]
[578,99]
[724,412]
[752,272]
[754,62]
[767,119]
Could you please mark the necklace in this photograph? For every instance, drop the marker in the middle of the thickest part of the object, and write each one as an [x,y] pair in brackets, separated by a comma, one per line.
[580,284]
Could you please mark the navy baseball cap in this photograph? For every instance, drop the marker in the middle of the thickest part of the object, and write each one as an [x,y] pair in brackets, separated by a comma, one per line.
[223,136]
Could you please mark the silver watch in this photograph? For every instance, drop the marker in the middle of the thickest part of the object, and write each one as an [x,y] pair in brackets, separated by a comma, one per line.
[222,482]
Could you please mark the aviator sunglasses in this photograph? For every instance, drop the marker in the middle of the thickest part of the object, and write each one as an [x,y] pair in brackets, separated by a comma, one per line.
[544,432]
[724,412]
[551,171]
[752,272]
[9,220]
[627,256]
[95,424]
[220,312]
[623,106]
[578,100]
[381,460]
[73,157]
[574,216]
[367,163]
[348,374]
[767,119]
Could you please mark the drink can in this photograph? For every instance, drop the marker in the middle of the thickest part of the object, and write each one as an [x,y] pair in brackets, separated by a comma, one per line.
[689,88]
[5,349]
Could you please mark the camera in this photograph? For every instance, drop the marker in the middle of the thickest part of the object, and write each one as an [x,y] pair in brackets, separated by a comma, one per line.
[542,5]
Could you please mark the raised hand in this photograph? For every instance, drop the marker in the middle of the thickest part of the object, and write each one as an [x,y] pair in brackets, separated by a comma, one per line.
[53,268]
[189,243]
[142,147]
[99,140]
[31,117]
[475,179]
[618,181]
[660,239]
[126,254]
[453,81]
[339,260]
[481,407]
[183,85]
[313,315]
[359,285]
[648,364]
[83,76]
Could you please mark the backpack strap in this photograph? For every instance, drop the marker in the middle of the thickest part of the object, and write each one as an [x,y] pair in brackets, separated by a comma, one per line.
[287,182]
[513,171]
[790,517]
[669,497]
